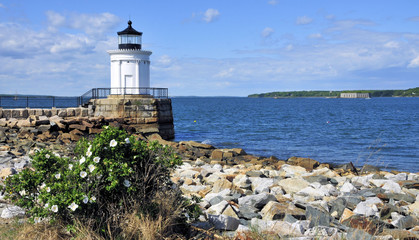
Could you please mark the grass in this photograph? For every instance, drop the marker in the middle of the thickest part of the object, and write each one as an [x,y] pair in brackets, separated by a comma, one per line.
[162,224]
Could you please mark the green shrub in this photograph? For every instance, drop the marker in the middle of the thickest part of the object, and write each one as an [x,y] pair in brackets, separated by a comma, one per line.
[111,174]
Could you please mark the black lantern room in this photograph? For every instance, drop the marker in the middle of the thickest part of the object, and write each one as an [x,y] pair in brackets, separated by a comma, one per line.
[129,38]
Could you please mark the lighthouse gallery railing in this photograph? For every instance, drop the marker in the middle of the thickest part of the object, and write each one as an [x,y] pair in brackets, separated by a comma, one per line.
[96,93]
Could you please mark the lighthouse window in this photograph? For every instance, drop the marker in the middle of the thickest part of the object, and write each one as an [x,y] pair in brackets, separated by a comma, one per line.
[129,39]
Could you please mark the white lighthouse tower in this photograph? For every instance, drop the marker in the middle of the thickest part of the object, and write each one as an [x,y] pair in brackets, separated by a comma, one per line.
[130,66]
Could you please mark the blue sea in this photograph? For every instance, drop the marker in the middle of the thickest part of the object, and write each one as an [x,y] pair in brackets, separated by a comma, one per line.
[380,131]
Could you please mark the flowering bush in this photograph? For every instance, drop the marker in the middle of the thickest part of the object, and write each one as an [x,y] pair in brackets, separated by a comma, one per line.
[110,174]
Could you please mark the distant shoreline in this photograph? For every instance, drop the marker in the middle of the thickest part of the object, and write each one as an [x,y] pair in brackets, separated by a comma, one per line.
[411,92]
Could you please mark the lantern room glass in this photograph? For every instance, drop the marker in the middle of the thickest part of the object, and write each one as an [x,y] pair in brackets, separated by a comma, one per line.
[129,39]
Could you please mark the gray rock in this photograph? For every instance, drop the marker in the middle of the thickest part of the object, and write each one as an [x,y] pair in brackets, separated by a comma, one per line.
[248,212]
[317,217]
[222,222]
[202,225]
[12,211]
[289,218]
[337,206]
[318,179]
[257,201]
[215,200]
[21,164]
[351,201]
[405,222]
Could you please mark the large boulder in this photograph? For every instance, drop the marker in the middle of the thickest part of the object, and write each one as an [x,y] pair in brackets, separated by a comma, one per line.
[222,222]
[293,185]
[12,211]
[306,163]
[257,201]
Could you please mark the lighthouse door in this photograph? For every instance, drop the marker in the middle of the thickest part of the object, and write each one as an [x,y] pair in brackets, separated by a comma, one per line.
[128,85]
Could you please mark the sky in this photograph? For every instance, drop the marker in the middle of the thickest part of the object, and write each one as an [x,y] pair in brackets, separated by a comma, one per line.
[212,48]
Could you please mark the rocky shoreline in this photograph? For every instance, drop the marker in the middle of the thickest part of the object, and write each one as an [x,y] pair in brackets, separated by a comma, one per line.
[297,198]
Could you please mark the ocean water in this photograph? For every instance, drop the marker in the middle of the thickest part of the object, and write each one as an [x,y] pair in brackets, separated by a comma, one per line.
[379,131]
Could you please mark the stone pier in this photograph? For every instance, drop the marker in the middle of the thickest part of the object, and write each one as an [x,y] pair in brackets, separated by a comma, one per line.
[137,114]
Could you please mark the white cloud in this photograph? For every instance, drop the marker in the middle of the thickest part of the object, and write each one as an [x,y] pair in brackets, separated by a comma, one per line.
[315,35]
[225,73]
[211,15]
[55,20]
[392,44]
[414,63]
[267,32]
[273,2]
[2,6]
[53,60]
[303,20]
[94,25]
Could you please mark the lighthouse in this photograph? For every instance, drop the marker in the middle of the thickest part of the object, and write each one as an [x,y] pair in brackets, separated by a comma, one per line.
[130,65]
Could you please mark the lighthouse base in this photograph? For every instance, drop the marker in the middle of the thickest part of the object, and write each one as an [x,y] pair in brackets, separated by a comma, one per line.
[145,114]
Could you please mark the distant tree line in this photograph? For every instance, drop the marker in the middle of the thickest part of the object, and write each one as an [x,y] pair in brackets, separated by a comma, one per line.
[411,92]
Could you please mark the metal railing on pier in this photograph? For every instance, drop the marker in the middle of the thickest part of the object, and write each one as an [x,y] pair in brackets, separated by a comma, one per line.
[38,101]
[96,93]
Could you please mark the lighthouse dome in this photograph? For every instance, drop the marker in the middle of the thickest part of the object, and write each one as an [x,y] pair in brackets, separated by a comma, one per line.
[129,38]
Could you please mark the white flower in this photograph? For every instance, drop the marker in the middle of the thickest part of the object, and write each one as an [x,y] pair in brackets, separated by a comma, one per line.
[113,143]
[57,155]
[96,159]
[91,167]
[85,199]
[83,174]
[73,206]
[48,189]
[127,140]
[47,156]
[46,205]
[23,192]
[54,208]
[82,160]
[37,219]
[70,166]
[57,176]
[105,148]
[105,127]
[42,186]
[92,199]
[127,183]
[88,153]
